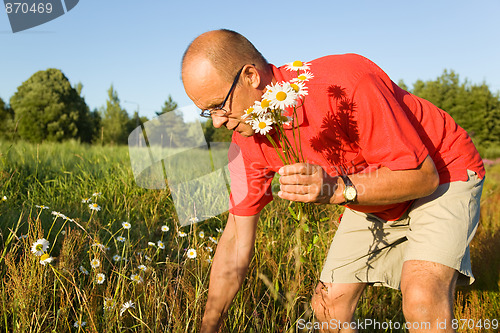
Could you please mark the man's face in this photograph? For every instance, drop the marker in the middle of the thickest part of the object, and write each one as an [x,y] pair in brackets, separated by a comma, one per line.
[207,90]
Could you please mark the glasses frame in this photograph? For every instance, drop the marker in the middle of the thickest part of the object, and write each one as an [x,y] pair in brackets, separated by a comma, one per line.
[208,113]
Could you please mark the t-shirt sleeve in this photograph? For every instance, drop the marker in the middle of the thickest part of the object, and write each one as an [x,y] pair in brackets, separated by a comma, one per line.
[387,137]
[250,183]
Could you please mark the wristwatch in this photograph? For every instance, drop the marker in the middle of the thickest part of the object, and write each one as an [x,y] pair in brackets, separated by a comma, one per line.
[350,193]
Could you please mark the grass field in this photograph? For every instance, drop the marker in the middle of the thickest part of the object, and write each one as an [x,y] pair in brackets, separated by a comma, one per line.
[154,269]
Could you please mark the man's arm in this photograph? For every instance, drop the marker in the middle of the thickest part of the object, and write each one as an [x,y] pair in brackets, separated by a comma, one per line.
[309,183]
[231,260]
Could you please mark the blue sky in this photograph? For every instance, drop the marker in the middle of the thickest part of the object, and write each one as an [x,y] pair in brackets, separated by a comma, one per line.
[137,45]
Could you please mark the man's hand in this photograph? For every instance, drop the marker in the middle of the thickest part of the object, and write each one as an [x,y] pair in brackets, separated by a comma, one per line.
[308,183]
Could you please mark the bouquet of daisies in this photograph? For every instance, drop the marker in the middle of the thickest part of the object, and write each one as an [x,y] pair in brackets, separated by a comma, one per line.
[278,108]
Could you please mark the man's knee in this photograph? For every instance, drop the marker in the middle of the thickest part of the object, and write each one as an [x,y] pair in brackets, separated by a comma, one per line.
[336,300]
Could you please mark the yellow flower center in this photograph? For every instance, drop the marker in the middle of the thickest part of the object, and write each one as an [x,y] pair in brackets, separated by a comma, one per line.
[302,77]
[262,125]
[39,247]
[44,256]
[264,104]
[94,205]
[281,96]
[297,63]
[295,87]
[249,110]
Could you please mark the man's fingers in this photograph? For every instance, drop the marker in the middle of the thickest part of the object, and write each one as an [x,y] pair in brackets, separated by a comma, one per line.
[297,189]
[295,180]
[297,168]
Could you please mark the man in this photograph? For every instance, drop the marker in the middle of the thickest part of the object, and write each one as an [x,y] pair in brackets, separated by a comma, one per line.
[410,178]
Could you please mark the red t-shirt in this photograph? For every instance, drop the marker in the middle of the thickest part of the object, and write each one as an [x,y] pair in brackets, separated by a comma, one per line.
[355,120]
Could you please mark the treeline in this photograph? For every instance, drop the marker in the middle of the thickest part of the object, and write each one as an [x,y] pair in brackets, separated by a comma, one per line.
[47,108]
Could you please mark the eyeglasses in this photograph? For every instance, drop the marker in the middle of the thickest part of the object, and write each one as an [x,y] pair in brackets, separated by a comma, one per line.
[219,110]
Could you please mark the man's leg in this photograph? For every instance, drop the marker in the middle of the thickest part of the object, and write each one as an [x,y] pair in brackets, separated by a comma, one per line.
[428,293]
[336,301]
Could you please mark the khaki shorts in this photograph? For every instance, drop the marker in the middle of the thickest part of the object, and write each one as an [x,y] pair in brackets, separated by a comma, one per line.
[436,228]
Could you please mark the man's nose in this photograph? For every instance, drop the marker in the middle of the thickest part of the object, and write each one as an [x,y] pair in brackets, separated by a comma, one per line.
[218,121]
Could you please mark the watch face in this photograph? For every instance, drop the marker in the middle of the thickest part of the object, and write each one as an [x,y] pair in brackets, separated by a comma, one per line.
[350,193]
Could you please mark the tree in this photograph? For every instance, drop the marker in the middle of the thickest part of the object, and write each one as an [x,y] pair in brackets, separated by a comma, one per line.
[169,105]
[46,107]
[474,107]
[6,120]
[115,120]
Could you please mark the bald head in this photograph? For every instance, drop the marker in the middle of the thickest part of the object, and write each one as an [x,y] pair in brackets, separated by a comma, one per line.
[227,51]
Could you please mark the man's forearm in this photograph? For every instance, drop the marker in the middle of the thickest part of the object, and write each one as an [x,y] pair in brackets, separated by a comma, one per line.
[230,265]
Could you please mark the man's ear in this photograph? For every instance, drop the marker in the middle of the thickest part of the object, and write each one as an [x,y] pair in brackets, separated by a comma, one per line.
[252,76]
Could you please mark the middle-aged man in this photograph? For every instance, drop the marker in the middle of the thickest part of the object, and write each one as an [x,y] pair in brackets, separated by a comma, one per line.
[410,178]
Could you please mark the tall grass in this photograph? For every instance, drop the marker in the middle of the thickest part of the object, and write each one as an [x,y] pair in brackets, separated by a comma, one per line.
[171,290]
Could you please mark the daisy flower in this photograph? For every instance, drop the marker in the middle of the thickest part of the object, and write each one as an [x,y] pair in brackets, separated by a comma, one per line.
[142,267]
[297,65]
[191,253]
[300,88]
[219,230]
[136,278]
[209,249]
[194,219]
[201,234]
[160,244]
[41,207]
[84,270]
[262,125]
[108,304]
[126,306]
[148,258]
[209,260]
[95,207]
[100,246]
[126,225]
[213,239]
[96,194]
[182,234]
[79,323]
[303,77]
[95,263]
[116,257]
[46,259]
[99,278]
[165,228]
[281,96]
[4,198]
[151,244]
[86,200]
[121,239]
[40,246]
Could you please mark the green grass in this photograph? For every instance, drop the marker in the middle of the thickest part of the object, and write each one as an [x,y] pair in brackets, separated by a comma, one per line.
[171,297]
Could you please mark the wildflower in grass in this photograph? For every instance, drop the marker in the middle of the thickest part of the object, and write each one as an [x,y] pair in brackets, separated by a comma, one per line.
[4,198]
[109,304]
[148,258]
[191,253]
[209,260]
[116,257]
[213,239]
[46,259]
[100,246]
[194,219]
[79,323]
[151,244]
[40,246]
[219,230]
[182,234]
[126,225]
[136,278]
[84,270]
[95,207]
[160,244]
[86,200]
[95,263]
[41,207]
[201,234]
[142,267]
[96,194]
[126,306]
[209,249]
[165,228]
[121,239]
[99,278]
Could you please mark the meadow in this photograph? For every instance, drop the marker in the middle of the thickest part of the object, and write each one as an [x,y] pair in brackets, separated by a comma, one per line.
[120,261]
